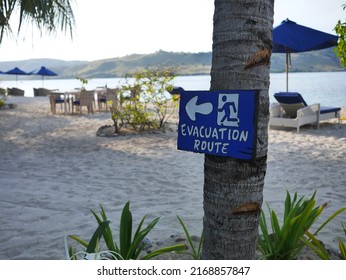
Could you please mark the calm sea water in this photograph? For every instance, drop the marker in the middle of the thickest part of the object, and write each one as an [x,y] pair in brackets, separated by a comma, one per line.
[327,88]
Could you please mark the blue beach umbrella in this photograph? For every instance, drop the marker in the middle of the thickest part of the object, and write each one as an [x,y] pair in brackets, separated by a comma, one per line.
[290,37]
[15,71]
[43,71]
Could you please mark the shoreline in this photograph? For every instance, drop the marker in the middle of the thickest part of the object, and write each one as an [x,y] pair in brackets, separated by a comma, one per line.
[54,169]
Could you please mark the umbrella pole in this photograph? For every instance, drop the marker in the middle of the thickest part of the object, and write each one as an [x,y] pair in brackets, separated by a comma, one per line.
[286,71]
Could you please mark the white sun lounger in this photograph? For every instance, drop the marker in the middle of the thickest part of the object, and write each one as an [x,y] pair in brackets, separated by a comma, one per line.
[292,111]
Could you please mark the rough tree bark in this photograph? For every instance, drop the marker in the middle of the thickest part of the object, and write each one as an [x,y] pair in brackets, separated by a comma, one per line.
[233,189]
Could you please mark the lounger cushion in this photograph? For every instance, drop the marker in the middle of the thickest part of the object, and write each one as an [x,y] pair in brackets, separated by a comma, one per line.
[290,102]
[289,99]
[325,110]
[59,100]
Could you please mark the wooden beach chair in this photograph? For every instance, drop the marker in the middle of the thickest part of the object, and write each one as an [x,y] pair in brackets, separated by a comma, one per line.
[112,98]
[55,99]
[108,98]
[101,98]
[15,91]
[84,98]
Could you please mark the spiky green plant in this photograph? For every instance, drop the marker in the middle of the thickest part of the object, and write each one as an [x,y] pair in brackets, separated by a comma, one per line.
[195,252]
[129,247]
[317,246]
[342,245]
[284,242]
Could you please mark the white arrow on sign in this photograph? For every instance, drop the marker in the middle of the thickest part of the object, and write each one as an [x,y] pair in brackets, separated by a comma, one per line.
[192,108]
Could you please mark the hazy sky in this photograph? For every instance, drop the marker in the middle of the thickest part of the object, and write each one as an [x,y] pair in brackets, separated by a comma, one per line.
[113,28]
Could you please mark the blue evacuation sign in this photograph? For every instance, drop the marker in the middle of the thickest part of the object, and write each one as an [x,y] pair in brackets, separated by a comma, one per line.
[222,123]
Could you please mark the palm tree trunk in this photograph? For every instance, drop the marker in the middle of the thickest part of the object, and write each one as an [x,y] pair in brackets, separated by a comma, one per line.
[233,189]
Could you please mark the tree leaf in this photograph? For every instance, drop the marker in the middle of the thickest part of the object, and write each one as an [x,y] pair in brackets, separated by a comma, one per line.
[125,230]
[96,237]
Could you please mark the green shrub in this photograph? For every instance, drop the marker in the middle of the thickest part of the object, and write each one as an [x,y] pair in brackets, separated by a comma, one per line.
[342,245]
[2,97]
[144,101]
[129,247]
[285,242]
[195,252]
[340,49]
[319,249]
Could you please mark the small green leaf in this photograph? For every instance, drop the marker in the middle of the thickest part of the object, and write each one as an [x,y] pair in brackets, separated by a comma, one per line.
[125,230]
[316,246]
[96,237]
[81,241]
[174,248]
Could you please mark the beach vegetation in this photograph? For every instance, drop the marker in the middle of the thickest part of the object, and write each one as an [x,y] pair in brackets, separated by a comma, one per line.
[340,50]
[317,246]
[49,15]
[2,97]
[285,242]
[84,81]
[144,100]
[195,252]
[342,245]
[130,246]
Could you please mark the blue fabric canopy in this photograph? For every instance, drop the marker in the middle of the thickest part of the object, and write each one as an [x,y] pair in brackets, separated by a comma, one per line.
[16,71]
[43,71]
[292,37]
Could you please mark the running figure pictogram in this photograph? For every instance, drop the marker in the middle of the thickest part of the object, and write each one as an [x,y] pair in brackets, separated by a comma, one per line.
[227,110]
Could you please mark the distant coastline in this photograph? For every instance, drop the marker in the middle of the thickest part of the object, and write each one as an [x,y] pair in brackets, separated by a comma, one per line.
[185,64]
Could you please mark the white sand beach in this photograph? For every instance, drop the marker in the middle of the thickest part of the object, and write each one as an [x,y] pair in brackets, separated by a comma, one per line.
[54,169]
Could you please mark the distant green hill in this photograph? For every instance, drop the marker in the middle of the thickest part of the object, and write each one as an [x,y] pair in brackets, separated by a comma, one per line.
[315,61]
[183,63]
